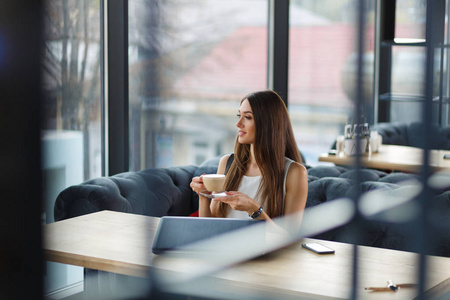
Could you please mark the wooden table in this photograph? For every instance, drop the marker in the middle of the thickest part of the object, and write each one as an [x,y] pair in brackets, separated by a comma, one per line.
[394,158]
[121,243]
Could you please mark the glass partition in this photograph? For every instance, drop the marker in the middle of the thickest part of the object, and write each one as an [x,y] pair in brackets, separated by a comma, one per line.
[190,63]
[322,71]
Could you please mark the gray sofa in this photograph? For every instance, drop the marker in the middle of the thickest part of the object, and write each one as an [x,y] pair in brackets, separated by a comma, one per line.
[165,191]
[413,133]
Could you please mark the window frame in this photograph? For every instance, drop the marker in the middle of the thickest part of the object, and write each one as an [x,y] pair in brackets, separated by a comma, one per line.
[116,87]
[434,39]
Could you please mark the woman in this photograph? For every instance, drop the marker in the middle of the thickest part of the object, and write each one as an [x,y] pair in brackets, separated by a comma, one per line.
[266,179]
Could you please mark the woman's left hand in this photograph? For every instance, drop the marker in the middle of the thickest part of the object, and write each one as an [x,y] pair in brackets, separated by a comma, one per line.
[239,201]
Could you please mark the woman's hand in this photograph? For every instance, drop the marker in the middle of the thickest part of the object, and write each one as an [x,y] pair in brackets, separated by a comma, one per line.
[198,186]
[239,201]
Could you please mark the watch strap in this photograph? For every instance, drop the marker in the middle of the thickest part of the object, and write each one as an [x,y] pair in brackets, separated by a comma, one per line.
[256,214]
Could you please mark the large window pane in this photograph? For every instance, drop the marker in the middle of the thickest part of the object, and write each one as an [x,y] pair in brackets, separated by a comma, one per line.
[410,19]
[408,83]
[445,76]
[190,63]
[322,71]
[408,70]
[71,138]
[408,65]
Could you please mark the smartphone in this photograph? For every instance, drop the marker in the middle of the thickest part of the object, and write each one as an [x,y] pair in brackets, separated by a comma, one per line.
[447,156]
[318,248]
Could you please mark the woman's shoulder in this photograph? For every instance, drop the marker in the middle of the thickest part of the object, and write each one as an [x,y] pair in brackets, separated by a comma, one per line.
[289,162]
[226,157]
[223,163]
[295,168]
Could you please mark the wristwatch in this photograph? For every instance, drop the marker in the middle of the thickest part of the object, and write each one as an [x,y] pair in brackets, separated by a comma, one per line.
[256,214]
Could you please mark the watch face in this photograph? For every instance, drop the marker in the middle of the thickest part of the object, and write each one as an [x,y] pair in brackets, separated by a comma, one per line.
[256,213]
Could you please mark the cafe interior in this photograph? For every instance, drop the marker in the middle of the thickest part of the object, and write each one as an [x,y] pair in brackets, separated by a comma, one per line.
[111,107]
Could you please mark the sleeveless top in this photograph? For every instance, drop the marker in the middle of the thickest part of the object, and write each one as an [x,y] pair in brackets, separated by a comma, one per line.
[249,185]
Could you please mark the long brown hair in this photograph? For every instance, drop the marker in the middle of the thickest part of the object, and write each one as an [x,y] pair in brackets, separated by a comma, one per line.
[274,140]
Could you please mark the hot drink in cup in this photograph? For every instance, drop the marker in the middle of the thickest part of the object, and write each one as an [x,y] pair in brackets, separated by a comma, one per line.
[214,182]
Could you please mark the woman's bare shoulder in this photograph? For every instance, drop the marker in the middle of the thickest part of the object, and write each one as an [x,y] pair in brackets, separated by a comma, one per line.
[297,171]
[223,163]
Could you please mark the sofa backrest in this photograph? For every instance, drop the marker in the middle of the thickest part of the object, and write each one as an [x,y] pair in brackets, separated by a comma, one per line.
[153,192]
[413,134]
[326,183]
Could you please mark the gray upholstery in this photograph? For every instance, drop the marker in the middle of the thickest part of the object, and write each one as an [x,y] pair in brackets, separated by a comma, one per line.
[413,134]
[153,192]
[331,182]
[166,191]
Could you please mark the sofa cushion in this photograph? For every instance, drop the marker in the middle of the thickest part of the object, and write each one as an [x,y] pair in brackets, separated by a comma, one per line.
[364,175]
[326,189]
[326,171]
[398,177]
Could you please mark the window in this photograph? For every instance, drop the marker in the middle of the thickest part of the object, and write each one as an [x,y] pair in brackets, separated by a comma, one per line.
[72,83]
[71,133]
[189,66]
[442,106]
[403,51]
[322,71]
[410,19]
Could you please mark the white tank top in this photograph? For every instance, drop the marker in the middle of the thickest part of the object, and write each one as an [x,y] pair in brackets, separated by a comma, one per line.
[249,186]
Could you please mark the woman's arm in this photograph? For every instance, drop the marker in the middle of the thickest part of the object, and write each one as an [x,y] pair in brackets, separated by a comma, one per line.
[206,206]
[296,195]
[223,164]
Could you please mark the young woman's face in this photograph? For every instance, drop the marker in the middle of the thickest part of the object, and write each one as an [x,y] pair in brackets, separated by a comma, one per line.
[246,124]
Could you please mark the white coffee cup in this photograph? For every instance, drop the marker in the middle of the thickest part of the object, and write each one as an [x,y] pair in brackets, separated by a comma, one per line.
[214,182]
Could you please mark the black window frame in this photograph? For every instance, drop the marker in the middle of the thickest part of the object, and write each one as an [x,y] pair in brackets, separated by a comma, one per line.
[117,147]
[435,31]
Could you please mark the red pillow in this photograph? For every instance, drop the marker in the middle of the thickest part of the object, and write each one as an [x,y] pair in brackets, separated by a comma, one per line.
[194,214]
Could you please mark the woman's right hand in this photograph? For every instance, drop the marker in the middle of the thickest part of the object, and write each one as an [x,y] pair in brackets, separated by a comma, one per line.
[198,186]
